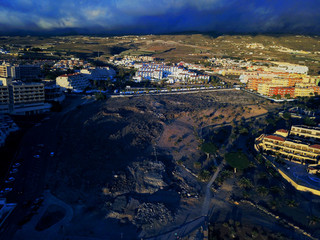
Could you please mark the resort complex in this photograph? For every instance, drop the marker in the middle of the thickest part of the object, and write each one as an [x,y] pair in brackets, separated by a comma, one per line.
[300,145]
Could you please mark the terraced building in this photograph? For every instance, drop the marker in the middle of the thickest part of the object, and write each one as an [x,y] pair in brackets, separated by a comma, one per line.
[300,145]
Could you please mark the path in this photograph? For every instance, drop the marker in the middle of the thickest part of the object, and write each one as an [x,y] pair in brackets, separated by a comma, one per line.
[206,202]
[194,224]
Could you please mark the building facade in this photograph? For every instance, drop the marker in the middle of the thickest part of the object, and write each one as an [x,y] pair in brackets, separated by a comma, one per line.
[20,72]
[301,145]
[282,91]
[75,81]
[19,98]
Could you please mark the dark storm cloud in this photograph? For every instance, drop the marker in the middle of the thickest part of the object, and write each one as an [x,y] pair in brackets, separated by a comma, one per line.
[161,16]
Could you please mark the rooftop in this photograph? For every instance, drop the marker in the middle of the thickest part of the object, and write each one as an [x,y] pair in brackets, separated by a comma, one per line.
[315,146]
[282,130]
[69,75]
[307,127]
[273,137]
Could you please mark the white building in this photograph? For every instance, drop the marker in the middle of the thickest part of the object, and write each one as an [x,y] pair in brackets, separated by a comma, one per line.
[171,73]
[75,81]
[290,68]
[99,74]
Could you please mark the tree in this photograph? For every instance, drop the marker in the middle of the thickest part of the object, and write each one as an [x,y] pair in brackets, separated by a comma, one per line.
[292,203]
[237,160]
[209,148]
[100,96]
[313,220]
[286,115]
[197,165]
[204,175]
[263,191]
[245,183]
[308,121]
[243,131]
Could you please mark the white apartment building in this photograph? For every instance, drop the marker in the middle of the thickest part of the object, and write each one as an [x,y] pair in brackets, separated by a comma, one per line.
[172,73]
[99,74]
[75,81]
[290,68]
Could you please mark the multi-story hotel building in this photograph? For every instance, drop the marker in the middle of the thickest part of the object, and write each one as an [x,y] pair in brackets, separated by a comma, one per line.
[300,145]
[22,98]
[6,70]
[20,72]
[306,132]
[76,81]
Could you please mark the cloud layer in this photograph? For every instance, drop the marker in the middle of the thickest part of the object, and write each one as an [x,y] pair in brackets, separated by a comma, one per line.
[159,16]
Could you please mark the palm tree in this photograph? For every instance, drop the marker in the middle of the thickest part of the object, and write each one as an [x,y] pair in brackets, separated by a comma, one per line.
[313,220]
[263,191]
[245,183]
[292,203]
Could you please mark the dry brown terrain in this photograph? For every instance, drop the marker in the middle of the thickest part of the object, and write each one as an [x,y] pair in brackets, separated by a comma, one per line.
[115,158]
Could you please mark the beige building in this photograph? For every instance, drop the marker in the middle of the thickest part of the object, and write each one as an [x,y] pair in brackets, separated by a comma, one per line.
[264,88]
[306,132]
[303,92]
[5,70]
[296,149]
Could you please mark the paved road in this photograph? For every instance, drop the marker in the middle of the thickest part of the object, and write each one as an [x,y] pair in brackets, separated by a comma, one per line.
[175,92]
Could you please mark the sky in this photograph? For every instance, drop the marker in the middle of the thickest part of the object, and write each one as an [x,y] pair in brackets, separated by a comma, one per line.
[159,16]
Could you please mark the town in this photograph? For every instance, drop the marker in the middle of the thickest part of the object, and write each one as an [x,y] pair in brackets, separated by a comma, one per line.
[155,132]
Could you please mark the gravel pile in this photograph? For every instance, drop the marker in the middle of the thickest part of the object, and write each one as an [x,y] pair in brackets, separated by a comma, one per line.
[150,214]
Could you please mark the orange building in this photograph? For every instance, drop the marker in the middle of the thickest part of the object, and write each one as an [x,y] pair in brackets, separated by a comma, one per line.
[282,91]
[316,90]
[293,81]
[253,83]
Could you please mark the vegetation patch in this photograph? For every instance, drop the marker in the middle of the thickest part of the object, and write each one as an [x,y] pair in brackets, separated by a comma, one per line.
[237,160]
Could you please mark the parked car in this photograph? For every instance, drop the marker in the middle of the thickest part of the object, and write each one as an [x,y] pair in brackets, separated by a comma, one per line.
[36,156]
[38,200]
[52,154]
[14,170]
[10,179]
[5,191]
[16,165]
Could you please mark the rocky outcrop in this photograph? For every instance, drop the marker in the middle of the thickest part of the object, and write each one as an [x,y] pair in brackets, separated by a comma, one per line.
[148,176]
